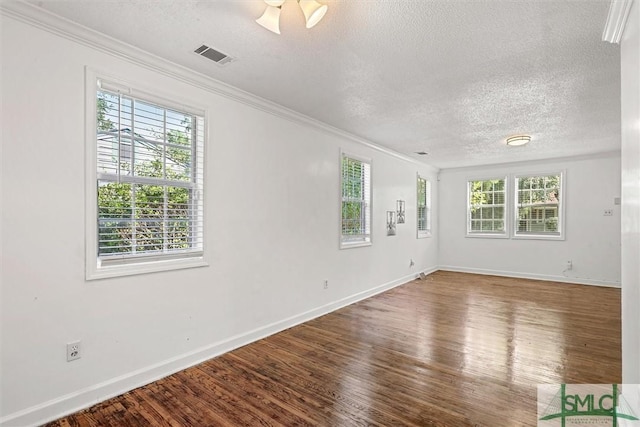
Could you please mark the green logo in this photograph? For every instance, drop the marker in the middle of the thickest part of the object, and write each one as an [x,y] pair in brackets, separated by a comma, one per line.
[584,404]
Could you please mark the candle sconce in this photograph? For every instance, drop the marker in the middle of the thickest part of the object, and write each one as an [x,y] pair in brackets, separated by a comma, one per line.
[391,223]
[400,210]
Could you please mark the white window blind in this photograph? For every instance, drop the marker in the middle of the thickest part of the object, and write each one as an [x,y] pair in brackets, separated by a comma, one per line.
[356,201]
[424,207]
[538,205]
[486,207]
[149,170]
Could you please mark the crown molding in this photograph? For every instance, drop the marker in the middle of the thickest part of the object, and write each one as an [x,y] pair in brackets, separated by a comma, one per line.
[533,163]
[60,26]
[616,20]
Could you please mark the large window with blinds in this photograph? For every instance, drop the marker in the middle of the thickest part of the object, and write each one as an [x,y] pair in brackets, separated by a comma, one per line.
[148,181]
[486,207]
[538,206]
[356,201]
[423,207]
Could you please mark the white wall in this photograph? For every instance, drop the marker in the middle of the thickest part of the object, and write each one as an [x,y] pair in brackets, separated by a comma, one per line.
[272,194]
[592,241]
[630,94]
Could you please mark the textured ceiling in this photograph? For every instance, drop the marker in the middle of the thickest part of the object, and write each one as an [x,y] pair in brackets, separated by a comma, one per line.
[452,78]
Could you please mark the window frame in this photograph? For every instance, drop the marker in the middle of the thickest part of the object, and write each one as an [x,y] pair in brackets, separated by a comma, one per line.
[421,234]
[561,207]
[367,240]
[506,209]
[126,266]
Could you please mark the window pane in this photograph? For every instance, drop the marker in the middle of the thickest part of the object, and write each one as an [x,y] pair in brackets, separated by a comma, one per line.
[148,159]
[423,207]
[115,212]
[179,127]
[538,205]
[486,213]
[149,214]
[352,214]
[149,121]
[178,162]
[142,150]
[486,206]
[355,215]
[178,217]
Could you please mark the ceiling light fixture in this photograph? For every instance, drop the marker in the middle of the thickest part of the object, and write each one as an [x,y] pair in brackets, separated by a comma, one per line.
[517,140]
[312,10]
[270,19]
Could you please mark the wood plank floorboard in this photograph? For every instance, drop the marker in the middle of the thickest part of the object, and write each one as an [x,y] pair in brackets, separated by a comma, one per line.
[453,350]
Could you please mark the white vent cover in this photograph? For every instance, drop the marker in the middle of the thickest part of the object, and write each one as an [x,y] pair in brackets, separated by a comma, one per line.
[214,55]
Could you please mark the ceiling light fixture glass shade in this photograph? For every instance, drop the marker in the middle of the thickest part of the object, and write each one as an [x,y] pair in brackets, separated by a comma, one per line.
[270,19]
[517,140]
[313,11]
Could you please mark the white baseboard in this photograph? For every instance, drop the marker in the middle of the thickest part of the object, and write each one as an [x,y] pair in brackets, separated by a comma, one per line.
[84,398]
[550,278]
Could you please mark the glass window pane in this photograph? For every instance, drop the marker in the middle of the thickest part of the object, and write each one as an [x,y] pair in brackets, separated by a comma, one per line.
[486,202]
[140,148]
[115,212]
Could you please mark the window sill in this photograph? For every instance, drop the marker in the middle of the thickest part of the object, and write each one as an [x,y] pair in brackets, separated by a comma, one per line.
[424,235]
[111,271]
[344,245]
[487,235]
[537,237]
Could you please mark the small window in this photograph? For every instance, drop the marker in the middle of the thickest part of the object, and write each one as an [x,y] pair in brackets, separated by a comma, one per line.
[147,187]
[486,208]
[356,202]
[538,207]
[424,207]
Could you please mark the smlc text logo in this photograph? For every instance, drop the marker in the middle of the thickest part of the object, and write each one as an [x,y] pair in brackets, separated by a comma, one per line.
[561,405]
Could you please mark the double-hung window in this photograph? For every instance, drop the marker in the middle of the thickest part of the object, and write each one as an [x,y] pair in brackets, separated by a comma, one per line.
[487,208]
[424,207]
[538,206]
[356,202]
[147,170]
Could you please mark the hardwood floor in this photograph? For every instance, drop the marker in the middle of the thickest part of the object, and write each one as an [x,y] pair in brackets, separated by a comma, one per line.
[452,350]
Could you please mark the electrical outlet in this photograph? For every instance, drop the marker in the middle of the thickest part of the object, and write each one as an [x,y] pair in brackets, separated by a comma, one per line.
[73,351]
[326,284]
[608,212]
[569,265]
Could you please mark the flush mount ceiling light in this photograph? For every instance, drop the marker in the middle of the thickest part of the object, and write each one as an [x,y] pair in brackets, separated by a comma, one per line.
[312,10]
[517,140]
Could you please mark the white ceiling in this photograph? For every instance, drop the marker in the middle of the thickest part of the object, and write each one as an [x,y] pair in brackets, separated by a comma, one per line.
[450,77]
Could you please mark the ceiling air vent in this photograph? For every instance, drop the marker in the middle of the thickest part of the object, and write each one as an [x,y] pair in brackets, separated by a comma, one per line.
[214,55]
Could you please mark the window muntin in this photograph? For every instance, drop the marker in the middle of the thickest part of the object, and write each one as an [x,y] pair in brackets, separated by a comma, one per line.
[538,205]
[423,207]
[486,207]
[149,180]
[356,202]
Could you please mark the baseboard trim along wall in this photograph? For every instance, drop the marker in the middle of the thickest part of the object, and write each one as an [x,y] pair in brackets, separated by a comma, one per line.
[546,277]
[81,399]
